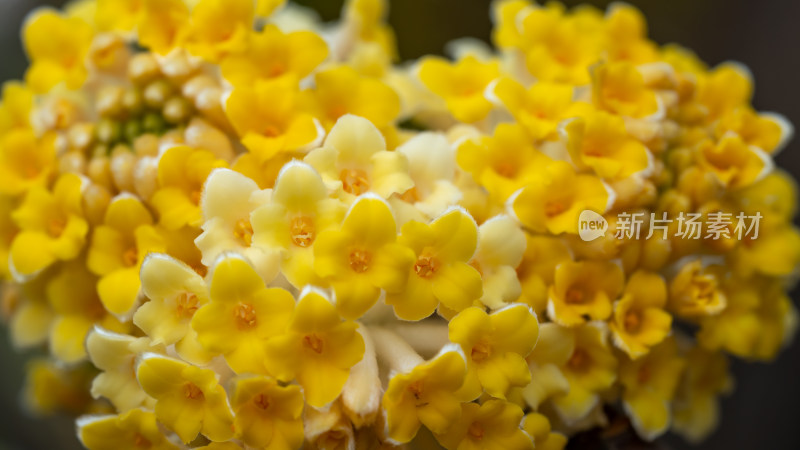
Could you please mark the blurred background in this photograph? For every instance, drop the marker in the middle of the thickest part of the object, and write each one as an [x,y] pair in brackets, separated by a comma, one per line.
[764,35]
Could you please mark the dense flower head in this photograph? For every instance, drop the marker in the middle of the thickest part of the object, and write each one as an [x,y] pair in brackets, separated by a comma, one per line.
[233,226]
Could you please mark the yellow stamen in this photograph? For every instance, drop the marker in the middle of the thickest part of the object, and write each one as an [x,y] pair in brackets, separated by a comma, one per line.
[313,342]
[476,431]
[192,391]
[243,231]
[261,401]
[481,351]
[360,260]
[354,181]
[245,315]
[426,265]
[130,257]
[302,231]
[186,305]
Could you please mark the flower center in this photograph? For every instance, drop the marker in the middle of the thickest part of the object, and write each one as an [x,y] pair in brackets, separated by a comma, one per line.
[245,316]
[426,265]
[574,296]
[505,169]
[302,231]
[632,322]
[360,260]
[141,441]
[56,227]
[476,431]
[130,257]
[579,360]
[410,196]
[313,342]
[272,131]
[187,304]
[554,208]
[192,392]
[261,401]
[195,196]
[481,351]
[416,388]
[243,231]
[354,181]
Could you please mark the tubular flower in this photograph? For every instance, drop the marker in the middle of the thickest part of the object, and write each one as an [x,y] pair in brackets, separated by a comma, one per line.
[176,292]
[340,90]
[553,201]
[492,425]
[318,349]
[57,47]
[584,289]
[267,117]
[460,84]
[268,415]
[496,346]
[650,383]
[182,171]
[133,429]
[27,162]
[538,428]
[440,273]
[362,257]
[52,227]
[424,394]
[639,321]
[354,160]
[188,399]
[539,108]
[271,53]
[117,250]
[600,142]
[241,315]
[231,224]
[503,163]
[299,211]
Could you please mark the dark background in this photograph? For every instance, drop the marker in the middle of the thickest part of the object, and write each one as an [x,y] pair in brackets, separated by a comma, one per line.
[764,35]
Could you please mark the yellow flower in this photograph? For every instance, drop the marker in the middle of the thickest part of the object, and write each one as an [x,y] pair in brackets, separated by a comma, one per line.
[599,141]
[590,370]
[267,118]
[134,429]
[695,290]
[228,200]
[501,244]
[182,171]
[767,131]
[460,84]
[425,395]
[540,108]
[432,167]
[117,250]
[554,200]
[559,48]
[584,289]
[162,24]
[117,15]
[318,349]
[649,386]
[363,257]
[16,106]
[354,160]
[219,27]
[626,29]
[242,314]
[57,47]
[271,53]
[537,269]
[502,163]
[734,163]
[267,415]
[757,322]
[496,346]
[639,321]
[775,252]
[115,355]
[619,88]
[506,34]
[696,406]
[52,227]
[53,388]
[26,161]
[189,399]
[538,428]
[725,88]
[298,212]
[175,291]
[340,90]
[492,425]
[440,273]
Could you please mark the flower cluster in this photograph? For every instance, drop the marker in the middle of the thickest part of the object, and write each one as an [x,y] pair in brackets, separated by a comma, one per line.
[236,227]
